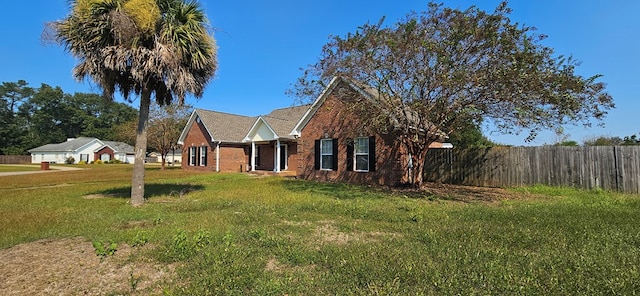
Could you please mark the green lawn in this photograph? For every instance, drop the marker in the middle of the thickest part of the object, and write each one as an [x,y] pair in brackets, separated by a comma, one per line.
[18,168]
[236,234]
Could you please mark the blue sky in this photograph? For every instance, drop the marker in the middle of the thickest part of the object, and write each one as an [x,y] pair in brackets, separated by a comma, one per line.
[263,45]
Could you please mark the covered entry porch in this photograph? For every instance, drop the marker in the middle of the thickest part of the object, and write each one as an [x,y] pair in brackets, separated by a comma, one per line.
[271,156]
[268,150]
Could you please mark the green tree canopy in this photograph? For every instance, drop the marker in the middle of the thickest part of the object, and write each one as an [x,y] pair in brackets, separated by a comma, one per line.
[612,141]
[631,140]
[469,137]
[12,96]
[47,115]
[440,69]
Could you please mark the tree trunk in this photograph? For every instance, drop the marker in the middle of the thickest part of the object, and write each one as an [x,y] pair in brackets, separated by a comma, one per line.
[417,152]
[164,159]
[418,172]
[137,181]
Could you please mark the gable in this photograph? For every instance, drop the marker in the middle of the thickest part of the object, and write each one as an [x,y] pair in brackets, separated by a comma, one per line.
[104,149]
[283,121]
[261,131]
[327,93]
[220,126]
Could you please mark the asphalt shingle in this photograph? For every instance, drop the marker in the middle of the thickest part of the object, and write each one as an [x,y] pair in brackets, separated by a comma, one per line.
[284,120]
[225,127]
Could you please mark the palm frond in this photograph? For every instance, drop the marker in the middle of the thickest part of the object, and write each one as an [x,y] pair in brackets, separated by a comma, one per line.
[119,49]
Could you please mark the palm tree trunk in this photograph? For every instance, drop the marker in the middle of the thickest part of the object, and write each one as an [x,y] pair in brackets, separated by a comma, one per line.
[137,181]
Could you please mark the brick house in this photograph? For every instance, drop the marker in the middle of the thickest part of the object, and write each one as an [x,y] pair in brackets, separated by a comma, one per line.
[323,141]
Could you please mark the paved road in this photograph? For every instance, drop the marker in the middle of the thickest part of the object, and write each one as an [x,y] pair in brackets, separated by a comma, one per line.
[53,168]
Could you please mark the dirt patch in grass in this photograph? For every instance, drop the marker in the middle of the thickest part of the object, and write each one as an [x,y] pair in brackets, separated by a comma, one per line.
[98,196]
[328,232]
[460,193]
[273,265]
[71,267]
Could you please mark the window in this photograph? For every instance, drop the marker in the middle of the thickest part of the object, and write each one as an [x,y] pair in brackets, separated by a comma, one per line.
[361,154]
[361,149]
[193,156]
[325,154]
[203,156]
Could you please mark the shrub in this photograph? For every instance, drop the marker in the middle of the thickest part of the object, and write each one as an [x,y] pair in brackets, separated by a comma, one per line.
[114,161]
[98,161]
[82,162]
[70,160]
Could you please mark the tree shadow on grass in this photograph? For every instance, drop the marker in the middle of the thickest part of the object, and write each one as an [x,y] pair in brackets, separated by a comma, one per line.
[153,190]
[335,190]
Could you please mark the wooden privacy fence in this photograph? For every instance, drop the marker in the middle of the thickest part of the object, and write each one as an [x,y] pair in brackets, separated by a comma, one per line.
[15,159]
[614,168]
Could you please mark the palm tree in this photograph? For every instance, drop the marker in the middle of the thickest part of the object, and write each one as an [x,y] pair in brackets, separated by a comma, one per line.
[149,47]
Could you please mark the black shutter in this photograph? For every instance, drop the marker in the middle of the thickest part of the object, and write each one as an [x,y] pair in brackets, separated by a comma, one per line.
[349,154]
[334,157]
[316,161]
[189,156]
[372,154]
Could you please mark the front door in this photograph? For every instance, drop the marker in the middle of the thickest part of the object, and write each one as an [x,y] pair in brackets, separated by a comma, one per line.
[283,157]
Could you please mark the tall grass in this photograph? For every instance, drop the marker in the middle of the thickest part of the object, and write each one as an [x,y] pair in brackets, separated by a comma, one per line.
[236,234]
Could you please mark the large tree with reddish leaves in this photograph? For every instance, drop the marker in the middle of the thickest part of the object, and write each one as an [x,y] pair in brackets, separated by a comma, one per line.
[437,71]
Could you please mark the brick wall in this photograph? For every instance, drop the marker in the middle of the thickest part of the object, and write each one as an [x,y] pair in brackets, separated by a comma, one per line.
[233,158]
[333,120]
[267,154]
[196,137]
[293,159]
[266,157]
[104,150]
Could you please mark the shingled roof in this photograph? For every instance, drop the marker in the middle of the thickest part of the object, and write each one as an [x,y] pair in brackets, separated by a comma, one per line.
[120,147]
[284,120]
[225,127]
[68,146]
[72,145]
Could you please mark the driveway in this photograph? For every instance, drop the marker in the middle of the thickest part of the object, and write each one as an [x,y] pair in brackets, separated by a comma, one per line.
[53,168]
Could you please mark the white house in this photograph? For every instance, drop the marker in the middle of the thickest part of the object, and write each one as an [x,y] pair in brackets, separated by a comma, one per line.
[171,158]
[86,149]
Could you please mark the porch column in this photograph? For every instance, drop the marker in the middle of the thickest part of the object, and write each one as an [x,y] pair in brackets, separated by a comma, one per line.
[218,157]
[253,156]
[277,157]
